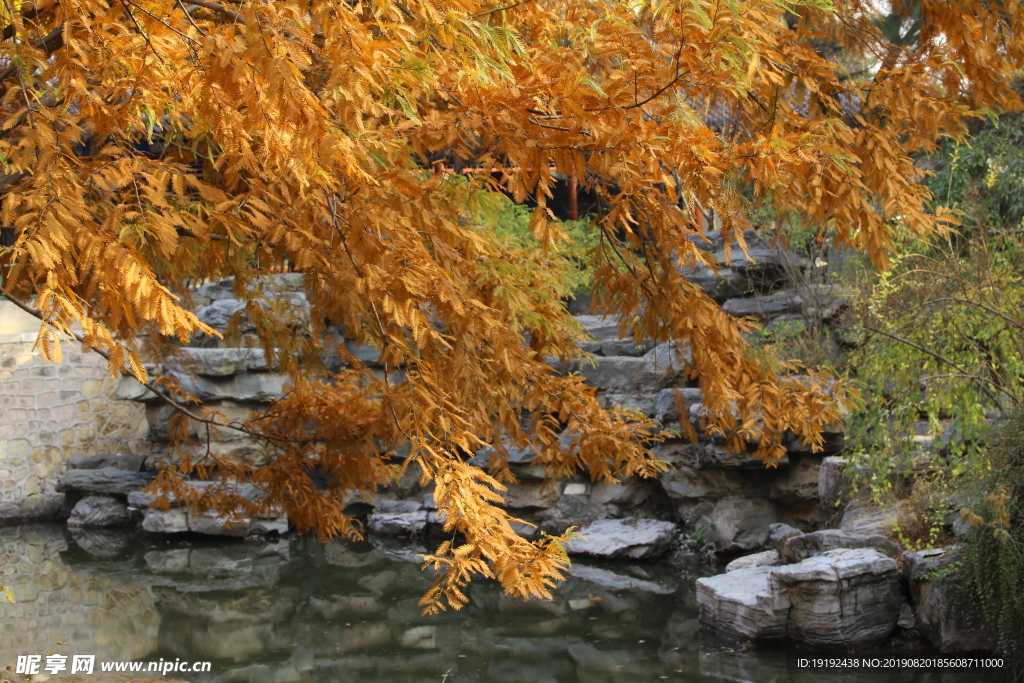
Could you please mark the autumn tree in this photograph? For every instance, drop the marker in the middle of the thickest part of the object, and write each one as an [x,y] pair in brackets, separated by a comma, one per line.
[314,124]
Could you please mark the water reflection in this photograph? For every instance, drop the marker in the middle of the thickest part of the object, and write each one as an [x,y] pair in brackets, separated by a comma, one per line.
[293,610]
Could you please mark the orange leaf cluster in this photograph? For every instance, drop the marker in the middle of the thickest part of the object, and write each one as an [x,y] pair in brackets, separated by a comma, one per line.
[149,144]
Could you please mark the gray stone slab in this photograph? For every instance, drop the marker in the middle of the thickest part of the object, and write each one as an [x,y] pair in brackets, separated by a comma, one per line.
[104,480]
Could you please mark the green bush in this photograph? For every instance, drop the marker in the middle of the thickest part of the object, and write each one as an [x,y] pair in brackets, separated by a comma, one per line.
[994,556]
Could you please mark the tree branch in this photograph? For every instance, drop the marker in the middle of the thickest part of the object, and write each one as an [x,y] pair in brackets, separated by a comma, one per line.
[948,362]
[51,42]
[220,9]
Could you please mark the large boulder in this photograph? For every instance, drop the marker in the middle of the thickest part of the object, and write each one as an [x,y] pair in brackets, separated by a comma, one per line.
[743,605]
[798,548]
[945,618]
[737,524]
[868,519]
[98,511]
[842,598]
[631,538]
[104,480]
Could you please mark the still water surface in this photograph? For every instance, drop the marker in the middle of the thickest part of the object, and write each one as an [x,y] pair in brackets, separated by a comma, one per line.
[293,610]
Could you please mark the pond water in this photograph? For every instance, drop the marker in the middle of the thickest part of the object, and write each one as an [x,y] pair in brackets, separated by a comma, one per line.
[292,610]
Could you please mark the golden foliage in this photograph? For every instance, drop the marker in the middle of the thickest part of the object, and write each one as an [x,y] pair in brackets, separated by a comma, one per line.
[314,123]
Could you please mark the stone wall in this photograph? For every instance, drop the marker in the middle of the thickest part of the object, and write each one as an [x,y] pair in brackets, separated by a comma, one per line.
[49,412]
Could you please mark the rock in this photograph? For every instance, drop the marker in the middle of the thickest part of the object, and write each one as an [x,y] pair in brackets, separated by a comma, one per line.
[582,503]
[625,374]
[213,524]
[516,456]
[216,291]
[398,523]
[833,483]
[615,581]
[642,403]
[721,285]
[621,347]
[247,491]
[672,356]
[104,480]
[251,387]
[99,511]
[737,524]
[764,307]
[742,605]
[367,354]
[129,463]
[767,558]
[667,409]
[709,455]
[684,483]
[841,599]
[532,494]
[221,362]
[798,548]
[599,327]
[867,519]
[778,534]
[947,621]
[159,416]
[797,483]
[179,520]
[291,307]
[173,521]
[631,537]
[907,619]
[218,314]
[398,506]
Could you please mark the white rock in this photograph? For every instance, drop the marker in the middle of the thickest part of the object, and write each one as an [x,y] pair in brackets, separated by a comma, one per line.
[768,558]
[843,598]
[398,523]
[99,511]
[630,537]
[173,521]
[743,605]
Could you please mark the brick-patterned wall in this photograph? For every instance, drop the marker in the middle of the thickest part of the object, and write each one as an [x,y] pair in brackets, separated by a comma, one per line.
[49,412]
[112,619]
